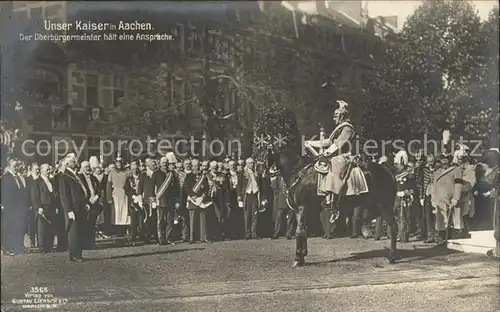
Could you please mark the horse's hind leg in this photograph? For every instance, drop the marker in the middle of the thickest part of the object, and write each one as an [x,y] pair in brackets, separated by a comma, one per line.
[300,237]
[392,229]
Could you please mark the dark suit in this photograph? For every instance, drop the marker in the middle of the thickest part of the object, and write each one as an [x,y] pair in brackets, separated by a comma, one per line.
[166,204]
[106,210]
[93,213]
[14,213]
[73,199]
[60,222]
[280,207]
[42,197]
[222,206]
[146,189]
[32,214]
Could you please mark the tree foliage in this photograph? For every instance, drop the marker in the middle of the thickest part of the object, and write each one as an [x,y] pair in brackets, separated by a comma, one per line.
[433,74]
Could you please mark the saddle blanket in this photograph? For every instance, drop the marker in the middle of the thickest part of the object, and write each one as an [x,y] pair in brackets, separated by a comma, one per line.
[356,182]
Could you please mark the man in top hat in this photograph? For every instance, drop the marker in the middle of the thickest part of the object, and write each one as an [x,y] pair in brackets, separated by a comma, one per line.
[74,203]
[167,195]
[337,144]
[118,197]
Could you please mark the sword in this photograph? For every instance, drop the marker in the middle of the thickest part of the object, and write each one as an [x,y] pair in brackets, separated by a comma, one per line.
[45,218]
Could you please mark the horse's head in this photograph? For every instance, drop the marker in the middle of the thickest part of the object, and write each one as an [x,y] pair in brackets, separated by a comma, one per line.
[263,151]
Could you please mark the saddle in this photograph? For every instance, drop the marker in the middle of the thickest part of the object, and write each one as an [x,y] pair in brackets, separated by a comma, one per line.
[354,177]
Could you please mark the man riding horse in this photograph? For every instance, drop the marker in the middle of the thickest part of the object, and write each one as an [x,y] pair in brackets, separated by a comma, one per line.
[332,163]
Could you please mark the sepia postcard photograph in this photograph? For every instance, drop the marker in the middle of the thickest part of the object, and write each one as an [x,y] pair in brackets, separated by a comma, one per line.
[213,156]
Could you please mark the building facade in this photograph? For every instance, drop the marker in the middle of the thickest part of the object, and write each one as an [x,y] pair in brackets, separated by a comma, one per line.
[72,88]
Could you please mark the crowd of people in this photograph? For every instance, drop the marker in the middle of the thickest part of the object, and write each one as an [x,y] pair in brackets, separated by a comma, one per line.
[444,196]
[146,200]
[167,201]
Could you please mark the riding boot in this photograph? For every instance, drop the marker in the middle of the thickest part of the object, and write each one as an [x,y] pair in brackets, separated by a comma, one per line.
[441,237]
[355,227]
[333,209]
[161,238]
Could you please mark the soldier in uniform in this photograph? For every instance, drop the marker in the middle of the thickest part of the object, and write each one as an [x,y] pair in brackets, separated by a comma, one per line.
[466,203]
[136,212]
[167,198]
[445,192]
[405,198]
[280,207]
[197,189]
[219,186]
[182,215]
[333,162]
[146,190]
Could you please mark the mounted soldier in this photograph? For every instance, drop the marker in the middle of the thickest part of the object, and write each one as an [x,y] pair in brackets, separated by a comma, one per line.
[333,163]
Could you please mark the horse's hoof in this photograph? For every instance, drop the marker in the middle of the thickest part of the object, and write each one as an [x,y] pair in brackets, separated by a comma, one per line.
[297,264]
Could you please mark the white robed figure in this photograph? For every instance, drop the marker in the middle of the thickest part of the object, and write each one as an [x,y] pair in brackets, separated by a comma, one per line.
[117,188]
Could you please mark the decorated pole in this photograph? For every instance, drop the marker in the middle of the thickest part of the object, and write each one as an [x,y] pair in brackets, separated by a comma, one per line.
[321,138]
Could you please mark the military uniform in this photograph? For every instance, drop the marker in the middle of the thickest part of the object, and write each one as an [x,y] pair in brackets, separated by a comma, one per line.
[198,193]
[182,169]
[338,144]
[406,184]
[167,195]
[445,194]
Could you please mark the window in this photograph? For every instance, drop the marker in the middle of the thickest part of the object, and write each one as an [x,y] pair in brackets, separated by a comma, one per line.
[43,85]
[92,97]
[177,95]
[53,11]
[113,90]
[61,118]
[194,42]
[36,14]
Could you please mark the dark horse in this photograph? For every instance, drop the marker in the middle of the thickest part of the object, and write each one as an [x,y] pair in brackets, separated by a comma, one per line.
[301,178]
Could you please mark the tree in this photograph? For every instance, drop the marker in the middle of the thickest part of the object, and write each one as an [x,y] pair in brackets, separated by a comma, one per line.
[426,79]
[484,93]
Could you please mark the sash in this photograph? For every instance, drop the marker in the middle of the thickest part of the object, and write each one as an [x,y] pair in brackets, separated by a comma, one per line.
[197,186]
[164,185]
[338,129]
[199,200]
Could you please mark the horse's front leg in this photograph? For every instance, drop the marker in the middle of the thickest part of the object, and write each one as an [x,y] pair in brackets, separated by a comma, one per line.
[300,237]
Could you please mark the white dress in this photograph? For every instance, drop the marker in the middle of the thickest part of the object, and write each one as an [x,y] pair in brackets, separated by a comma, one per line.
[119,212]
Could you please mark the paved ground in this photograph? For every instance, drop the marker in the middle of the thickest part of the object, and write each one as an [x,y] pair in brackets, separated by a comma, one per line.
[341,275]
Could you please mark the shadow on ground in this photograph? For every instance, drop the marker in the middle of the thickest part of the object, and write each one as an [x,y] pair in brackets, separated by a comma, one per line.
[136,255]
[417,253]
